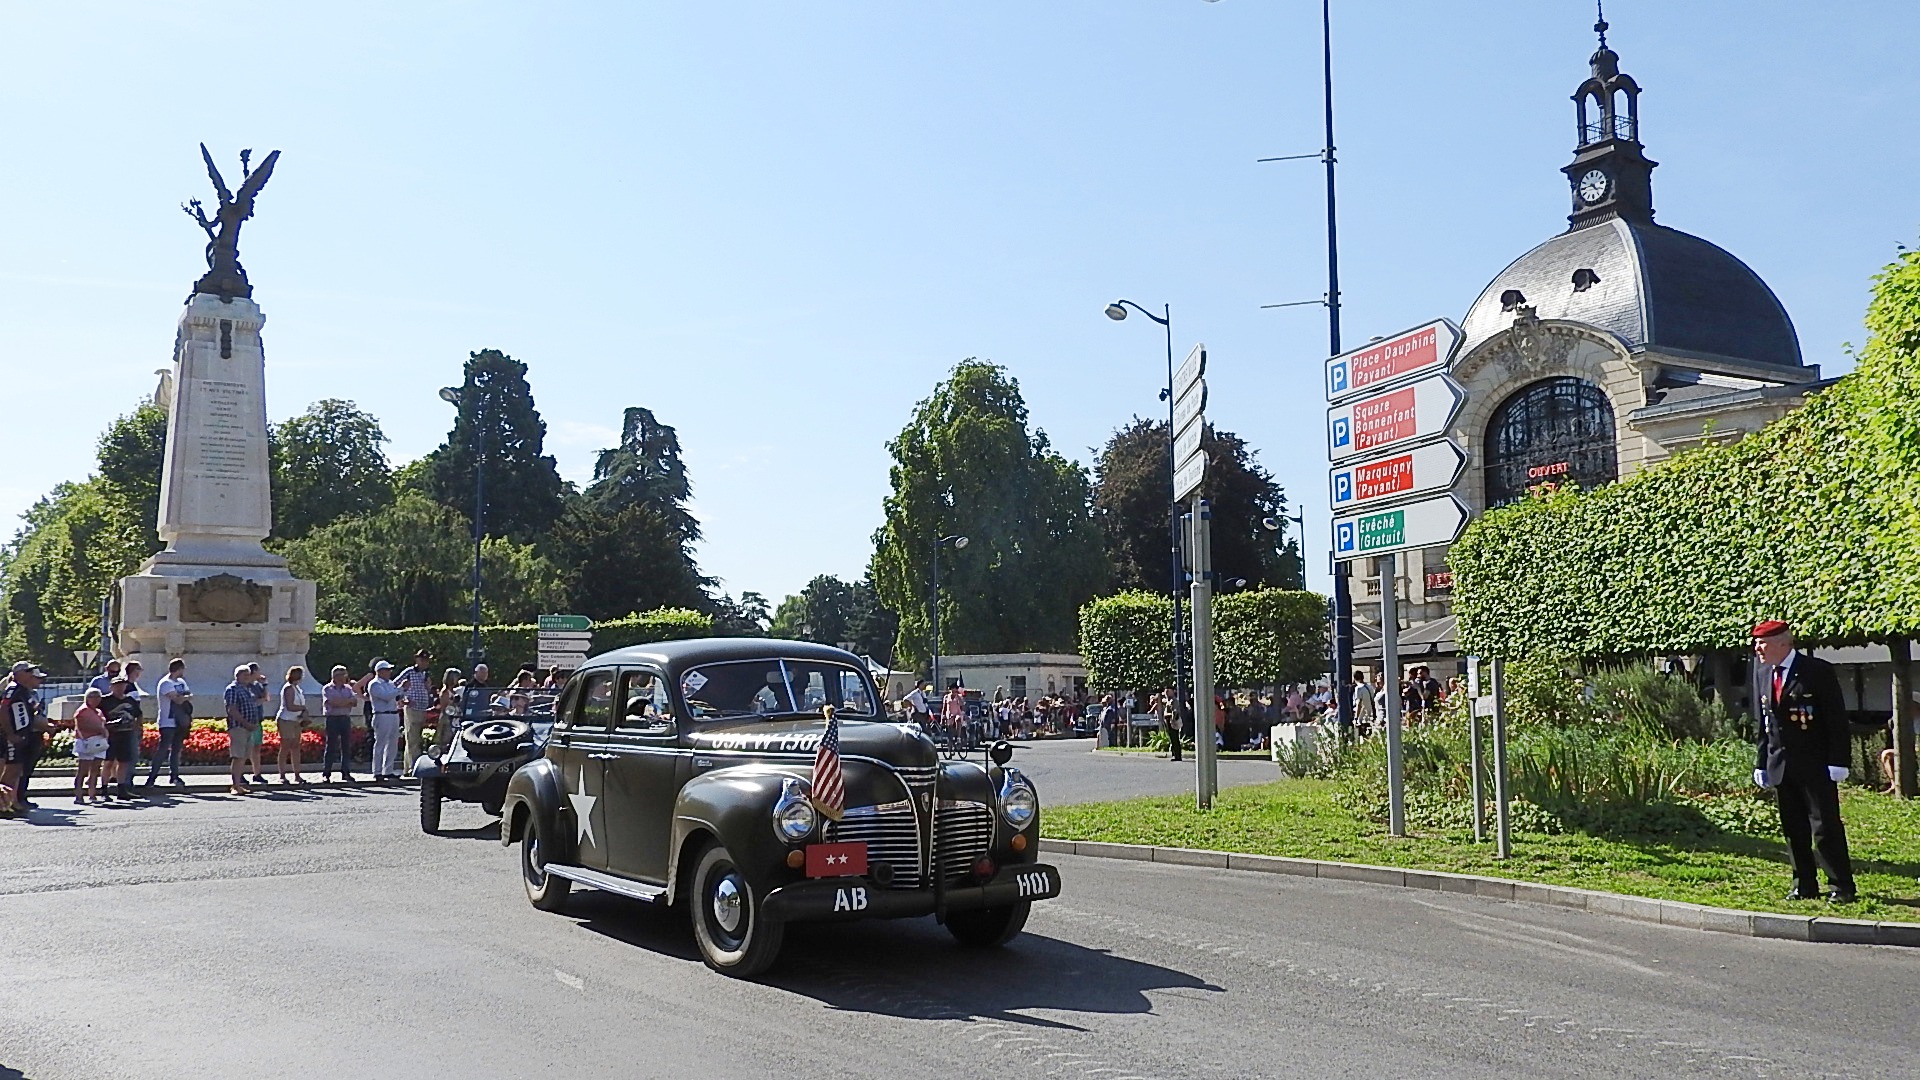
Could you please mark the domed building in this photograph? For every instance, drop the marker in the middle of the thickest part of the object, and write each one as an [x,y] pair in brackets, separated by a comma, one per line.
[1616,343]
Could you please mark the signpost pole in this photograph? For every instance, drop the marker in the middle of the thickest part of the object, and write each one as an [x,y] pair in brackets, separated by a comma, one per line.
[1389,566]
[1473,742]
[1503,838]
[1207,780]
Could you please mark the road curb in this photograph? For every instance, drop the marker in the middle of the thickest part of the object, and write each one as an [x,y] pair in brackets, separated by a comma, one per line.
[1676,913]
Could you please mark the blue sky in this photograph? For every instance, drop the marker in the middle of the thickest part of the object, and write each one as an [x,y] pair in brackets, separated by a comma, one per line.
[778,225]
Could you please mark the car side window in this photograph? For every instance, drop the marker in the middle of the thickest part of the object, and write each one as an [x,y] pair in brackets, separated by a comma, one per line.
[563,710]
[595,709]
[643,709]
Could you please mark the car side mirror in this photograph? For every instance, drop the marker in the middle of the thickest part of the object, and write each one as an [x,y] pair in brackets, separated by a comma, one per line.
[1002,752]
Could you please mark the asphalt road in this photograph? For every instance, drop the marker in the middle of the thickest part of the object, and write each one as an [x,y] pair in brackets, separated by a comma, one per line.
[319,933]
[1071,771]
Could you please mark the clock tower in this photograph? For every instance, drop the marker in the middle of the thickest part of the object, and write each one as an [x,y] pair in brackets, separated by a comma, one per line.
[1611,175]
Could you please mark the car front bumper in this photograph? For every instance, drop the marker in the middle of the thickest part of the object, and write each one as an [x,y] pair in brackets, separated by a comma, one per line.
[826,899]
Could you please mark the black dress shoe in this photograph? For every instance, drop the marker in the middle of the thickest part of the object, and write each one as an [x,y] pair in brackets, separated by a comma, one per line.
[1842,896]
[1801,892]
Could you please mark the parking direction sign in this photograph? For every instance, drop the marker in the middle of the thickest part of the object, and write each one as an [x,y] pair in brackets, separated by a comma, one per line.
[1382,363]
[1426,523]
[1399,475]
[1412,413]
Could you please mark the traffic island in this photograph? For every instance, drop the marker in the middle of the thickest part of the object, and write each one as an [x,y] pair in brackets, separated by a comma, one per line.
[1721,881]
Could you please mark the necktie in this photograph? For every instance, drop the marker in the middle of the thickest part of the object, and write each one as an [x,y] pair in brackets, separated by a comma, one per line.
[1779,680]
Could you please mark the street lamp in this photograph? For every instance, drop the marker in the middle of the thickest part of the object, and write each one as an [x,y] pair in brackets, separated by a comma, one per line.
[456,396]
[1117,311]
[958,542]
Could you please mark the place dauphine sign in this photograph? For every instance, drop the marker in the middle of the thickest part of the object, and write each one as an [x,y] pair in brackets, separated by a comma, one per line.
[1390,405]
[564,641]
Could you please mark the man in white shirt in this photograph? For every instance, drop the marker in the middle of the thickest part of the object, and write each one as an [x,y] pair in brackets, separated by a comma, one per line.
[175,714]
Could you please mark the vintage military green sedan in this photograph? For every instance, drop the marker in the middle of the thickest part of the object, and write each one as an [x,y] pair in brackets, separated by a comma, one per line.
[682,773]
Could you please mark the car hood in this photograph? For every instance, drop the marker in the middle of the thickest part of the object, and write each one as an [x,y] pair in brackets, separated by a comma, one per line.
[895,744]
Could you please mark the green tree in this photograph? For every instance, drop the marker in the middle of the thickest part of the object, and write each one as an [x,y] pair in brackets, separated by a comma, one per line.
[966,463]
[645,470]
[524,490]
[1260,637]
[745,617]
[517,583]
[833,612]
[615,561]
[78,541]
[1130,503]
[406,564]
[132,455]
[328,465]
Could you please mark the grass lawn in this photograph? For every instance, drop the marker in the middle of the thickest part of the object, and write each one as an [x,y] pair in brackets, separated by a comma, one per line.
[1298,818]
[1223,755]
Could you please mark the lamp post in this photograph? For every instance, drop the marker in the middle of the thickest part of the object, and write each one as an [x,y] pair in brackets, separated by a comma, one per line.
[456,397]
[1117,311]
[958,542]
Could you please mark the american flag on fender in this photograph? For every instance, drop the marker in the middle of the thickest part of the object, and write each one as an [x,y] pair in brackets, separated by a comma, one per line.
[829,787]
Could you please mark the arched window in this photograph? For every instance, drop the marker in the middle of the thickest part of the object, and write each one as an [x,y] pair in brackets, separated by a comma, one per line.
[1557,431]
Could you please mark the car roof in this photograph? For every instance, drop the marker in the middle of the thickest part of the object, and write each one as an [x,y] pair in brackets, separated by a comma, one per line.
[676,656]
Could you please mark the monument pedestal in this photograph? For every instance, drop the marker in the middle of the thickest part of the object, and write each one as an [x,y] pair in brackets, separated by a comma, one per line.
[215,597]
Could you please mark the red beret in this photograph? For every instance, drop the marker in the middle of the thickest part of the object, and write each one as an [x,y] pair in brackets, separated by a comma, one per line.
[1770,628]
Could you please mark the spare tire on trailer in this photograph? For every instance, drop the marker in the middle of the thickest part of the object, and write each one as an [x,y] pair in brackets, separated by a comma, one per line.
[494,739]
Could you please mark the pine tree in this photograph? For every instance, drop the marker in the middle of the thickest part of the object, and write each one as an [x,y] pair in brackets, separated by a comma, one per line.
[524,490]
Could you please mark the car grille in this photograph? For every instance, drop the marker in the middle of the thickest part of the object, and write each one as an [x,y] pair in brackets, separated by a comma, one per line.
[963,833]
[892,837]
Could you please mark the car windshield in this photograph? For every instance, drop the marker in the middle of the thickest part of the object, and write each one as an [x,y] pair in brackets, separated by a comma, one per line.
[774,687]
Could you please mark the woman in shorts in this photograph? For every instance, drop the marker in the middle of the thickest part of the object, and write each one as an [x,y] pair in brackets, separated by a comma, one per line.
[289,722]
[89,747]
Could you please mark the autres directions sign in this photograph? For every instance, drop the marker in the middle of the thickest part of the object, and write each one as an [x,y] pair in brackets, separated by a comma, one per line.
[1412,413]
[1426,523]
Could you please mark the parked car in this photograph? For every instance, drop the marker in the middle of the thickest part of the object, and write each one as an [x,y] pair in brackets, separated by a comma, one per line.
[681,773]
[488,744]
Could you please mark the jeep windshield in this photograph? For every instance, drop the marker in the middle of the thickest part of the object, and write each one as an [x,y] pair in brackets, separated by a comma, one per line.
[774,687]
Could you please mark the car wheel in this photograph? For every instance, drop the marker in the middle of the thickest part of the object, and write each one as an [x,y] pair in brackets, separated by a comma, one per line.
[735,938]
[548,892]
[430,805]
[984,928]
[493,740]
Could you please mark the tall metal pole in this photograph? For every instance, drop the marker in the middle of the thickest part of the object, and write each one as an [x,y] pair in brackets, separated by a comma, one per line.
[475,654]
[938,689]
[1173,544]
[1200,544]
[1390,660]
[1342,592]
[1502,829]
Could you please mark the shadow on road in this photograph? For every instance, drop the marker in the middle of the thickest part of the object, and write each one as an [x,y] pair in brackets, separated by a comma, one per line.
[630,922]
[11,1074]
[489,831]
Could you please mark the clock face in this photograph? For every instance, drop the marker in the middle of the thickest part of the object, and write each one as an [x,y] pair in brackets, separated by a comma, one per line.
[1593,187]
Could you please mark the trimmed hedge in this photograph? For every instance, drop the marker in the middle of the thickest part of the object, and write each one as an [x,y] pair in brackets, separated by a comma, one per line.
[1814,518]
[507,646]
[1260,636]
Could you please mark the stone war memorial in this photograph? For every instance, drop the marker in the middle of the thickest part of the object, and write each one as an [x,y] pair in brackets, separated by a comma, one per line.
[214,597]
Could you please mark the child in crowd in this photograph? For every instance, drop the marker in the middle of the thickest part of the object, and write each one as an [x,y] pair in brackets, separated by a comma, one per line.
[89,748]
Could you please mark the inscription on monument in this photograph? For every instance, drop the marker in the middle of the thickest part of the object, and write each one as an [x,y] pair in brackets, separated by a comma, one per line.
[224,437]
[224,598]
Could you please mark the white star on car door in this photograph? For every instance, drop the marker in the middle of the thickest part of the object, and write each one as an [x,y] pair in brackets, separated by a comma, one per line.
[583,812]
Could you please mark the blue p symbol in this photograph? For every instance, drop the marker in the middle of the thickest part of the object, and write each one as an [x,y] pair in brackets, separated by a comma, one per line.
[1342,431]
[1339,377]
[1342,487]
[1343,536]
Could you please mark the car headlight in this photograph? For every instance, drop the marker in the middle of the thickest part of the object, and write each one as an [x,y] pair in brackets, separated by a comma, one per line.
[794,817]
[1018,802]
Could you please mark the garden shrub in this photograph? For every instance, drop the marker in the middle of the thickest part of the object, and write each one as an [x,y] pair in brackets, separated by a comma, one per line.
[1260,637]
[507,646]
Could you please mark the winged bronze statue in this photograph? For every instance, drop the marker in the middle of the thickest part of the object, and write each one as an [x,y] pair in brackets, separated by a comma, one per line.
[225,277]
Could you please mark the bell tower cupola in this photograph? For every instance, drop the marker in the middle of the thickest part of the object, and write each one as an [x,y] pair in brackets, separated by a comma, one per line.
[1611,175]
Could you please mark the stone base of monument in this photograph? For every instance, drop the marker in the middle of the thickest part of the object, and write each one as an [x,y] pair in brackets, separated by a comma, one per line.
[215,598]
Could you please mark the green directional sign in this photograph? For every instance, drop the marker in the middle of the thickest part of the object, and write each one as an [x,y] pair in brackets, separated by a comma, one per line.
[1426,523]
[565,622]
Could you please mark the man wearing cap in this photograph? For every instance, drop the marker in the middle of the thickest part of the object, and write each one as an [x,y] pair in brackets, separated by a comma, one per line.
[1803,755]
[416,691]
[23,725]
[384,699]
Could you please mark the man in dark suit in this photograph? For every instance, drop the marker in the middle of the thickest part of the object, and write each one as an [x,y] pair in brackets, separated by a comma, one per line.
[1803,754]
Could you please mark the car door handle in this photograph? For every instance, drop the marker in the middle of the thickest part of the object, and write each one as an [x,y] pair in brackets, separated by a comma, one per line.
[602,757]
